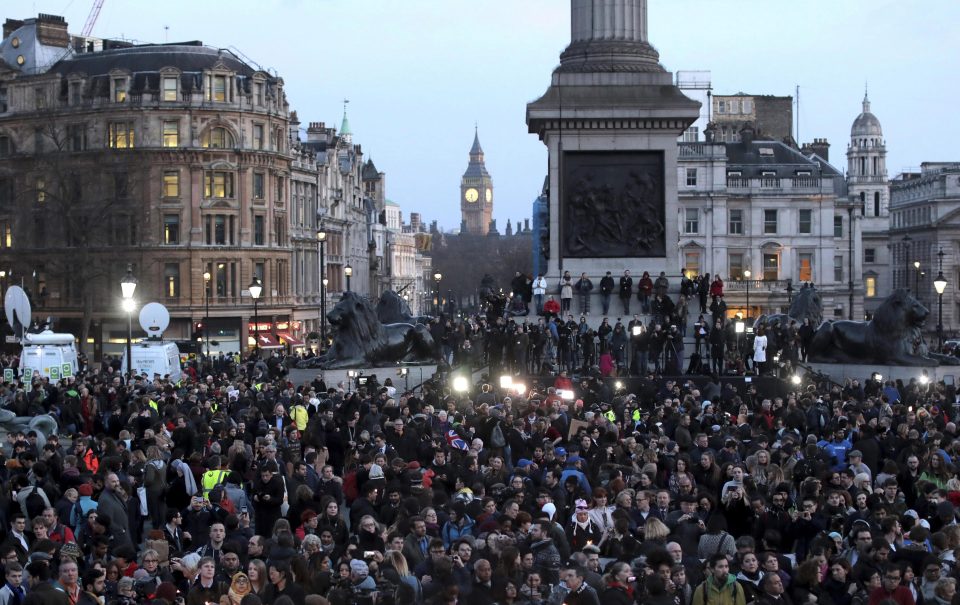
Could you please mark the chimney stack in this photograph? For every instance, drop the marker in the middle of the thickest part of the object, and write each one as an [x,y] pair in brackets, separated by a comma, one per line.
[52,30]
[822,148]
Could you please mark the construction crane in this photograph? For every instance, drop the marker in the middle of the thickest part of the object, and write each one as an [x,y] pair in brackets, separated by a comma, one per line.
[92,18]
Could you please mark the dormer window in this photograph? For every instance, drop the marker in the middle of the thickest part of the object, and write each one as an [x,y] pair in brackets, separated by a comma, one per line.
[170,84]
[119,90]
[218,88]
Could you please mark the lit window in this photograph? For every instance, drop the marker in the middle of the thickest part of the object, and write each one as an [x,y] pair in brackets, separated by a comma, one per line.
[218,89]
[171,183]
[119,90]
[771,267]
[171,278]
[171,133]
[218,138]
[120,135]
[806,267]
[169,88]
[171,229]
[691,263]
[41,188]
[218,184]
[871,286]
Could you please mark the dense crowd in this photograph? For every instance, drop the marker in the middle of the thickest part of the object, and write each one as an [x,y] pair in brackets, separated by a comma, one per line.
[239,487]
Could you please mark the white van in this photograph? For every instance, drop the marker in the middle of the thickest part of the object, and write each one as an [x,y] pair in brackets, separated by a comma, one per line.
[52,355]
[155,357]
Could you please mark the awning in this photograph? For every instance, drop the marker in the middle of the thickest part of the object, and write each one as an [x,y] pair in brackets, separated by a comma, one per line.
[267,341]
[290,339]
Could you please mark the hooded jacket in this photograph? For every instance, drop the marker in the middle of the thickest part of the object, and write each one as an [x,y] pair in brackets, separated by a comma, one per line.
[711,593]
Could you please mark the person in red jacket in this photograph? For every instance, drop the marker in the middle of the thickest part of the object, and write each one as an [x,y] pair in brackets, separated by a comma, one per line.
[551,307]
[716,288]
[891,588]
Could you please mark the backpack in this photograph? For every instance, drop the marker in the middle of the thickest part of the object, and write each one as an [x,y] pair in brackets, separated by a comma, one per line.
[34,504]
[496,436]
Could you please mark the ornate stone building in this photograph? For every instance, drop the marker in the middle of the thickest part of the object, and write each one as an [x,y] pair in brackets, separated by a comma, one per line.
[174,159]
[762,206]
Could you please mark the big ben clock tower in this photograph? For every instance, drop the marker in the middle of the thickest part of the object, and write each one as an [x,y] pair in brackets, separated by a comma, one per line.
[476,192]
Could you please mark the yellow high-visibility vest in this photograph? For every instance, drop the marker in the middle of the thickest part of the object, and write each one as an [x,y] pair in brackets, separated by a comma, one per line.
[211,479]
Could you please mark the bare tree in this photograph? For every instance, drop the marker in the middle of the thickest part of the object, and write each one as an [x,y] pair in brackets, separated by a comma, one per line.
[76,218]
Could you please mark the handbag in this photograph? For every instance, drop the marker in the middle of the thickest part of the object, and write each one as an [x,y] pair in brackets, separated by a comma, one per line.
[285,506]
[496,437]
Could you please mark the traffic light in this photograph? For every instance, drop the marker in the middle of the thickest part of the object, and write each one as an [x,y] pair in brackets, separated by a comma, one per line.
[198,331]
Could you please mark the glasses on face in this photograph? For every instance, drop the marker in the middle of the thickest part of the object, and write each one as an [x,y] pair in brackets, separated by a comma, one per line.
[151,560]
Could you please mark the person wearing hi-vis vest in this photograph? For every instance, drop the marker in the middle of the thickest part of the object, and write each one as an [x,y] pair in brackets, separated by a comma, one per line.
[213,477]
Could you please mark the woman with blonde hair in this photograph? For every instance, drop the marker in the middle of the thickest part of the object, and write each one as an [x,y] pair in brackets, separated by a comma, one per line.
[395,569]
[655,533]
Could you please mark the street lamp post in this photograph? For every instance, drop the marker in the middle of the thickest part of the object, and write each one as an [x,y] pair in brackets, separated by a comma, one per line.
[746,275]
[940,284]
[436,278]
[916,281]
[322,240]
[348,271]
[256,288]
[789,293]
[128,285]
[206,319]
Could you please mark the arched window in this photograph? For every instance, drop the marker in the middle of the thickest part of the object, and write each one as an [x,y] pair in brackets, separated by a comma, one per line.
[876,203]
[218,137]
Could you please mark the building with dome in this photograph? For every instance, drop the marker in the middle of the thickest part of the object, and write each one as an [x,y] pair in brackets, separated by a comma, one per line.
[869,191]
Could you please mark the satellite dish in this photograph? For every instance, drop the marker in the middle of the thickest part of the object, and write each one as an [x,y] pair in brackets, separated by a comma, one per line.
[17,307]
[154,319]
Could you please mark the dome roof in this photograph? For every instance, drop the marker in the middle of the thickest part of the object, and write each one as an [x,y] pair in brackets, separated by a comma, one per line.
[866,123]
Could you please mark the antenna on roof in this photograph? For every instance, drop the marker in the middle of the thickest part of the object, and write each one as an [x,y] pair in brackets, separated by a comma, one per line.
[166,34]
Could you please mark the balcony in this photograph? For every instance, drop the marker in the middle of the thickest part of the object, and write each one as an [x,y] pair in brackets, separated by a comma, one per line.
[798,185]
[756,285]
[691,151]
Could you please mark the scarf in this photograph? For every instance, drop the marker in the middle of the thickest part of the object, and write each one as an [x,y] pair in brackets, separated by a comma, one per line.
[238,591]
[188,479]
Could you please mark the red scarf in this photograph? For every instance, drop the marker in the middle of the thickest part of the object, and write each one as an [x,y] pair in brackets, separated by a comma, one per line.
[626,587]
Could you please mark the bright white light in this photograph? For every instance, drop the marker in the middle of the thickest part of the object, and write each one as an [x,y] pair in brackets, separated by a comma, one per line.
[565,395]
[636,330]
[506,382]
[618,384]
[520,388]
[460,384]
[795,379]
[129,305]
[738,327]
[924,379]
[352,373]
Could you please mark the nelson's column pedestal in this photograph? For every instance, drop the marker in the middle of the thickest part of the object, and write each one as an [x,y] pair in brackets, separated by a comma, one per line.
[610,121]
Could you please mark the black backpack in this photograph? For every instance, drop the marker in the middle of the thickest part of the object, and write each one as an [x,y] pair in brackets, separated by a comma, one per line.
[35,504]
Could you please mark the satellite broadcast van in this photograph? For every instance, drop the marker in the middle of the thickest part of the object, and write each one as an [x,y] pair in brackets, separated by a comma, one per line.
[153,357]
[51,354]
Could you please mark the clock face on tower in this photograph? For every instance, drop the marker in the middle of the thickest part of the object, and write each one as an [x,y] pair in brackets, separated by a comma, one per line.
[471,195]
[489,194]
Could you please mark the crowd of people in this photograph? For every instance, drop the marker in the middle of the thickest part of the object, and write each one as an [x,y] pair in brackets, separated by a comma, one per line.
[239,487]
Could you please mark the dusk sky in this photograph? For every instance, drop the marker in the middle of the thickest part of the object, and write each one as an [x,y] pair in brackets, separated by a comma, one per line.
[420,73]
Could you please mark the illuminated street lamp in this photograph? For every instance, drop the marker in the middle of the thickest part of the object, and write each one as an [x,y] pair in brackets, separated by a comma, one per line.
[322,240]
[436,278]
[256,288]
[940,284]
[348,271]
[206,319]
[128,285]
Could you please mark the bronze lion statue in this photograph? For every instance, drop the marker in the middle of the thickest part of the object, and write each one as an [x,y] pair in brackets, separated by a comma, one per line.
[890,338]
[361,340]
[391,309]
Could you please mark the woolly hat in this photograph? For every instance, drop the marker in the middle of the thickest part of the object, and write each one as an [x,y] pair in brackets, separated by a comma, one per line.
[359,567]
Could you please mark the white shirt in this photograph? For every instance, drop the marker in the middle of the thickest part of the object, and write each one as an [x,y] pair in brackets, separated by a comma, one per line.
[760,348]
